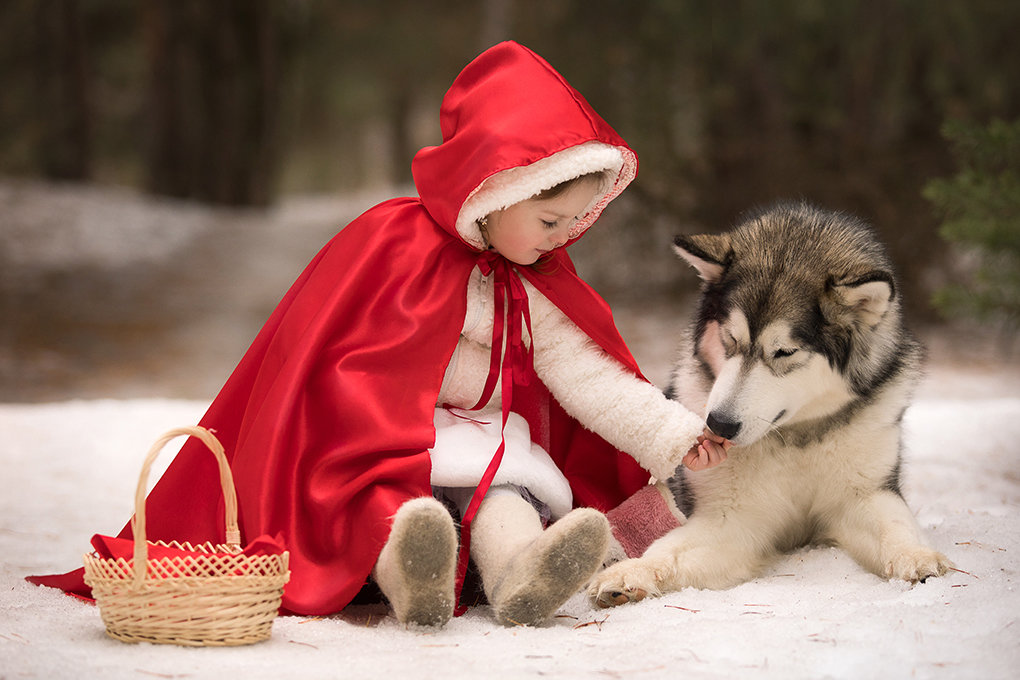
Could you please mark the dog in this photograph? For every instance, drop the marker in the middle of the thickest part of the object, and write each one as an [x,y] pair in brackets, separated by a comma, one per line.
[799,356]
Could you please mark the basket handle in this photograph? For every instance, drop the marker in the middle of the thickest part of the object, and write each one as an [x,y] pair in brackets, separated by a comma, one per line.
[233,534]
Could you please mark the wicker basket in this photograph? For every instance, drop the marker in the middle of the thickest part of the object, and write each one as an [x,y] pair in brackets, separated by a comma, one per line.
[212,595]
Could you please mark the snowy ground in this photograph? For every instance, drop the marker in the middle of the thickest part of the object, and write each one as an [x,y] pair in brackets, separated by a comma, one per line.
[70,467]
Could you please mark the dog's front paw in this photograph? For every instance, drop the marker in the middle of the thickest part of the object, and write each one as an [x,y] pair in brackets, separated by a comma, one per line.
[918,564]
[627,581]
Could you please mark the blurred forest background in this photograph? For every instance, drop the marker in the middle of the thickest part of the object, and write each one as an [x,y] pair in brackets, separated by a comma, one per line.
[242,107]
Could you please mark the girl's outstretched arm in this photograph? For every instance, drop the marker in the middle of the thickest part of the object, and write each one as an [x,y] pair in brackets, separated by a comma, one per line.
[631,414]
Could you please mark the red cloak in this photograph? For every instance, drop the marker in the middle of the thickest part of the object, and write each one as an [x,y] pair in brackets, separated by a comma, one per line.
[328,418]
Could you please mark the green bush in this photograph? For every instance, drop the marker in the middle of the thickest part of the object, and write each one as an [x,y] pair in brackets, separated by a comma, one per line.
[980,211]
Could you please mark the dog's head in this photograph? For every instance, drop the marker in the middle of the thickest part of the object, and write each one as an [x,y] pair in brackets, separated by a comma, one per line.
[798,318]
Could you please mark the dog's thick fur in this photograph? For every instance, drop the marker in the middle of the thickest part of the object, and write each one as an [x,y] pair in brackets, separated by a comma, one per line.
[799,356]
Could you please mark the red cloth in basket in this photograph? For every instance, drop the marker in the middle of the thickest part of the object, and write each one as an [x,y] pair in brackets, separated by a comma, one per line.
[111,547]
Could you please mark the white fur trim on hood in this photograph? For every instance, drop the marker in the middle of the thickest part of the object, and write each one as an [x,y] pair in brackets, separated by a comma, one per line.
[514,185]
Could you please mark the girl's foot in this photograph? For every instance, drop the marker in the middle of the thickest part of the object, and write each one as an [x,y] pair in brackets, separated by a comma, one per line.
[552,568]
[416,567]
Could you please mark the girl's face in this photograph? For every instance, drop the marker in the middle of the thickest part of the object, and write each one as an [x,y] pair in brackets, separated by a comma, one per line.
[527,230]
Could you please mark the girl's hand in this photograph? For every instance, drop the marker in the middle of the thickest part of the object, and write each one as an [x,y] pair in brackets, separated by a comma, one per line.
[708,452]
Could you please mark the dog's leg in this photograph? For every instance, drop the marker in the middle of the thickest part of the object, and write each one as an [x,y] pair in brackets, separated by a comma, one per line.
[883,536]
[699,555]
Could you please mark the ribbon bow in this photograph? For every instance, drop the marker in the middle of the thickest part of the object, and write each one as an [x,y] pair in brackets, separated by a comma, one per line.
[511,308]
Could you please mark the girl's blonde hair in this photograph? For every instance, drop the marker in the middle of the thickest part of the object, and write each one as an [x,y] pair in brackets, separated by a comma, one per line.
[554,191]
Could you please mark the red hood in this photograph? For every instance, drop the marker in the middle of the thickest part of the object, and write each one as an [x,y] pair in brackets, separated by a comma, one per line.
[506,110]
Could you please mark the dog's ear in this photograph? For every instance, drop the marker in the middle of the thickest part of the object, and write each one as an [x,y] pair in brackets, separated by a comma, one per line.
[867,297]
[710,254]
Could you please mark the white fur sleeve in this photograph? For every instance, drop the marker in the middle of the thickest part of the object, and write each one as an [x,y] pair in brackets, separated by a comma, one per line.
[605,397]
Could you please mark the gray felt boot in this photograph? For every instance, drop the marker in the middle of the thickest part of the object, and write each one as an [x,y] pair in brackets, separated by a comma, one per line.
[529,573]
[416,568]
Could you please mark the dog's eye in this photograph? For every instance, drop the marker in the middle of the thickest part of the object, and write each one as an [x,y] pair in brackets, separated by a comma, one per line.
[783,353]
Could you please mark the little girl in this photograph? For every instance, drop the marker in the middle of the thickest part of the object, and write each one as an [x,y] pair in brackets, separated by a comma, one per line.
[443,347]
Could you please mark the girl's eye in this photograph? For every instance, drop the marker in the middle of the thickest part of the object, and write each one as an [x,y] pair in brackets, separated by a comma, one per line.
[548,224]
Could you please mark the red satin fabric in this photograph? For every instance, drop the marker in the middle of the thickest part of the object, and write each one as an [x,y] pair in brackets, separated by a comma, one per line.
[328,418]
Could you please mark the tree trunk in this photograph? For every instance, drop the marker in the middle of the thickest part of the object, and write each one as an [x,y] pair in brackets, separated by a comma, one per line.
[62,82]
[214,97]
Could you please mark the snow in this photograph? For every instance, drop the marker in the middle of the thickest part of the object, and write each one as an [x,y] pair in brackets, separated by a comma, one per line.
[71,467]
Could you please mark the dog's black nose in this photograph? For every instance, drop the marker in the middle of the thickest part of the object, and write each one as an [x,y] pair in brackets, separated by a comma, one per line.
[722,425]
